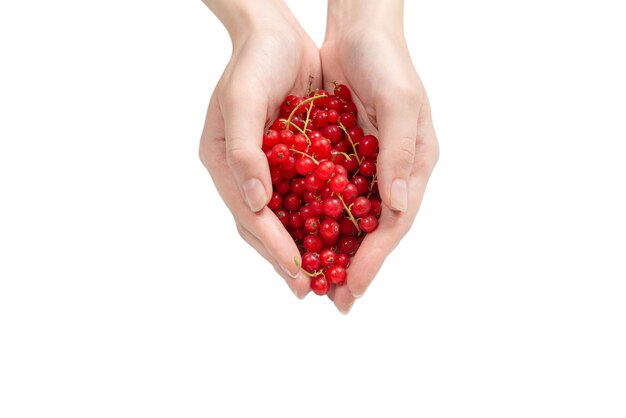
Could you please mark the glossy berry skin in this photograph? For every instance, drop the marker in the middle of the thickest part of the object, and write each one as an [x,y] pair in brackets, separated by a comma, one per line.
[322,167]
[368,168]
[348,245]
[332,207]
[325,169]
[280,153]
[360,207]
[343,92]
[368,146]
[270,139]
[327,257]
[368,224]
[329,229]
[311,225]
[336,275]
[320,285]
[311,262]
[347,119]
[338,183]
[276,202]
[332,133]
[313,243]
[342,260]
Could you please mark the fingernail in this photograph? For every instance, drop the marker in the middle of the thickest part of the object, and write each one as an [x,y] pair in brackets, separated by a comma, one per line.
[288,273]
[399,195]
[254,193]
[357,295]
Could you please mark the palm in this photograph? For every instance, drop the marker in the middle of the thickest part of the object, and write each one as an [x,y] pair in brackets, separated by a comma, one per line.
[382,77]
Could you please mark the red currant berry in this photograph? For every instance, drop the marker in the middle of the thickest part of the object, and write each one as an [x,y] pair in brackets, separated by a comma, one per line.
[347,227]
[294,220]
[367,168]
[282,216]
[332,132]
[348,120]
[270,138]
[342,91]
[332,207]
[348,245]
[377,208]
[280,153]
[327,257]
[333,116]
[305,165]
[334,104]
[311,262]
[368,223]
[320,285]
[338,183]
[368,146]
[329,229]
[349,193]
[313,243]
[313,182]
[336,275]
[342,260]
[321,147]
[325,169]
[311,225]
[291,202]
[276,202]
[355,133]
[360,207]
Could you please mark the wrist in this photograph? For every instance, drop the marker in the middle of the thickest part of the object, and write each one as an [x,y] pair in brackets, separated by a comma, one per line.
[377,16]
[243,17]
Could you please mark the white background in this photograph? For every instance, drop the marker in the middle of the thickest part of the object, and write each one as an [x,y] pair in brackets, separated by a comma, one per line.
[125,290]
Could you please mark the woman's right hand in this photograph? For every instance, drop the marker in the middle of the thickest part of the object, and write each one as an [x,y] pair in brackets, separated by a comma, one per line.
[272,58]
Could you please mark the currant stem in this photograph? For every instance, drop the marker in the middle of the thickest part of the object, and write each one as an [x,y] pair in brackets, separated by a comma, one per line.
[317,273]
[305,154]
[348,156]
[356,154]
[354,221]
[309,100]
[290,123]
[374,180]
[306,122]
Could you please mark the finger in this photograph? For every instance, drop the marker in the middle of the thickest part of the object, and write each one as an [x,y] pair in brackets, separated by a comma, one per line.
[264,225]
[343,299]
[244,112]
[268,229]
[376,246]
[298,286]
[397,117]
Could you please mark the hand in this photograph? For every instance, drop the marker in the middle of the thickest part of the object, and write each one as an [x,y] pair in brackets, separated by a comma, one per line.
[272,57]
[365,49]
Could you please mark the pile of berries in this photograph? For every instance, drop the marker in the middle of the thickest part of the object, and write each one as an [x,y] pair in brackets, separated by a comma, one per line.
[323,171]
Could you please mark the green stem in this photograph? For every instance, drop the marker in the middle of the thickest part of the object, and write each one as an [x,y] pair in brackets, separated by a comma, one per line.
[354,221]
[305,101]
[288,122]
[305,154]
[356,154]
[317,273]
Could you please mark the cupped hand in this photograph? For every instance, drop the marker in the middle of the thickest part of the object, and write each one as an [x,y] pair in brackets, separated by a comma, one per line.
[393,105]
[266,66]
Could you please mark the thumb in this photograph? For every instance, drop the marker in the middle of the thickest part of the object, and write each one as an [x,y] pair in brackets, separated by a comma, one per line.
[397,125]
[243,130]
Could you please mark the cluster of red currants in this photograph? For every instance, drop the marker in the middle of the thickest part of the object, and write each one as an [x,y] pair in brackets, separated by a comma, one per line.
[323,171]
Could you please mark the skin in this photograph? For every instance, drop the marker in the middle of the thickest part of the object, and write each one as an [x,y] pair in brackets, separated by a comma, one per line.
[273,57]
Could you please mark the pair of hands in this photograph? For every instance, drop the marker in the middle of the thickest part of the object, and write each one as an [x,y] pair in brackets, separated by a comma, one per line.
[272,60]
